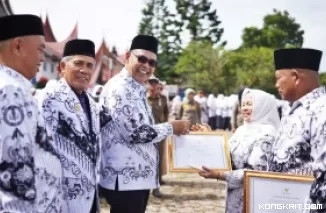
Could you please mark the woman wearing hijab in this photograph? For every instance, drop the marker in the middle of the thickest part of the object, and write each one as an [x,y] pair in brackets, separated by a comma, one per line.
[176,106]
[212,117]
[250,146]
[190,109]
[236,118]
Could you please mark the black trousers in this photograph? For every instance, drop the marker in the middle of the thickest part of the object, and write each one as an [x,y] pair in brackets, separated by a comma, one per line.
[94,206]
[212,122]
[219,122]
[226,123]
[126,201]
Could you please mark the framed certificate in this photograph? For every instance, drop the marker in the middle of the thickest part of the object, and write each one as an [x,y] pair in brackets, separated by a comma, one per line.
[275,192]
[190,152]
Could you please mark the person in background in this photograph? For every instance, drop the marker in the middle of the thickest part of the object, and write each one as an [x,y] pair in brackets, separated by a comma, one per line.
[224,112]
[159,105]
[130,152]
[211,104]
[236,118]
[201,99]
[250,145]
[73,119]
[190,109]
[176,106]
[30,171]
[229,108]
[219,111]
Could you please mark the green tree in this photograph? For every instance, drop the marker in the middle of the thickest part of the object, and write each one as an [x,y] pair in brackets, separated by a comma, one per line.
[201,66]
[200,20]
[160,22]
[322,78]
[280,30]
[252,67]
[146,25]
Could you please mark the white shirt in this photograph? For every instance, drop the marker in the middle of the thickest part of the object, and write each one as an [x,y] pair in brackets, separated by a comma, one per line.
[211,104]
[30,176]
[219,104]
[130,148]
[203,109]
[230,103]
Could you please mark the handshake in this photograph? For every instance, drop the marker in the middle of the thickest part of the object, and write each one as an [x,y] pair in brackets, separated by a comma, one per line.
[182,127]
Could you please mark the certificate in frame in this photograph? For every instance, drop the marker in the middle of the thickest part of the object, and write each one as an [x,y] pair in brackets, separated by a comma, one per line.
[198,140]
[249,176]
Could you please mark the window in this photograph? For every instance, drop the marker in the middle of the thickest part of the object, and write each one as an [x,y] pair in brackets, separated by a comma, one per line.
[44,66]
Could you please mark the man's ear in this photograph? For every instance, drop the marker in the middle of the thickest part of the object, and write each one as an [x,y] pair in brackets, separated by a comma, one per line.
[127,56]
[296,76]
[62,67]
[15,45]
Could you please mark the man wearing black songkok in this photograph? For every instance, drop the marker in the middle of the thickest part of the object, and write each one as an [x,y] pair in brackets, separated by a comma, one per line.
[77,127]
[300,147]
[129,161]
[26,152]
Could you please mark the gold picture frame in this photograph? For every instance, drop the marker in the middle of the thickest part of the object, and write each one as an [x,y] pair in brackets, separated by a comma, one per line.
[173,168]
[268,175]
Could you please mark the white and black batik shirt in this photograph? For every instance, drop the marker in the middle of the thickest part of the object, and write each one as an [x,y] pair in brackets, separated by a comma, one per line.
[130,148]
[301,145]
[27,180]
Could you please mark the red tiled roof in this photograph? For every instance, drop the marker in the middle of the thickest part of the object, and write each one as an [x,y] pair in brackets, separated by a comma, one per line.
[57,47]
[48,33]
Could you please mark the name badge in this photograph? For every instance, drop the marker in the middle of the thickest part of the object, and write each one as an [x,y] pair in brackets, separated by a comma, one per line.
[77,108]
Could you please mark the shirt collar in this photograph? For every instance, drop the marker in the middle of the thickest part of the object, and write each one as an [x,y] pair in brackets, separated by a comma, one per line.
[17,76]
[309,98]
[142,90]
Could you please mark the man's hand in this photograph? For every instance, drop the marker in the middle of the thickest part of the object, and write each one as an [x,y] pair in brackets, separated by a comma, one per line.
[201,128]
[180,127]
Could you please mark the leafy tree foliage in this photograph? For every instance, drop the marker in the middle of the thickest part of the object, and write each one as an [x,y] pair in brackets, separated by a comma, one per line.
[280,30]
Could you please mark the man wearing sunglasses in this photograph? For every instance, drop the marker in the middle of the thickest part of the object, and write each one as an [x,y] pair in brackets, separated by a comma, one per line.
[130,161]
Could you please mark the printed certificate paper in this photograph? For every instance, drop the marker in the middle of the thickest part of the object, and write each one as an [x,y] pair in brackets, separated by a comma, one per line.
[191,152]
[275,192]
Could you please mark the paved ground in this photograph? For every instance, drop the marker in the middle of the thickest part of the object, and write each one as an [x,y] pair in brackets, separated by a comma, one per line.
[186,193]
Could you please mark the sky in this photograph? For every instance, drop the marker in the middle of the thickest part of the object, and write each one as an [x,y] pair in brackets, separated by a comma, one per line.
[116,21]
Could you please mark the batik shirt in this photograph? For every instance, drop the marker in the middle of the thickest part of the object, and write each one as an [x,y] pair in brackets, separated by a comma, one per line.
[29,166]
[130,148]
[301,145]
[76,134]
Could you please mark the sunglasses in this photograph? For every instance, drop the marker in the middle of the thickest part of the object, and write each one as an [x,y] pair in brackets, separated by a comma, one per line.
[143,60]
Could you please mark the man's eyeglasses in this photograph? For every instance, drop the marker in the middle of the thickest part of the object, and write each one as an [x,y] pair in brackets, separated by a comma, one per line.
[143,60]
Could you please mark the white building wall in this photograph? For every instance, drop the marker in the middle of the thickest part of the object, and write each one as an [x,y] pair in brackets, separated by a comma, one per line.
[48,69]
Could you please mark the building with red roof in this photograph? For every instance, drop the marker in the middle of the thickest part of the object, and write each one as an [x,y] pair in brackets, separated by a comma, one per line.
[108,63]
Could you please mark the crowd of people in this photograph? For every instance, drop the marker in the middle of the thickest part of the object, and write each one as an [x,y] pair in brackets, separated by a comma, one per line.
[60,149]
[220,113]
